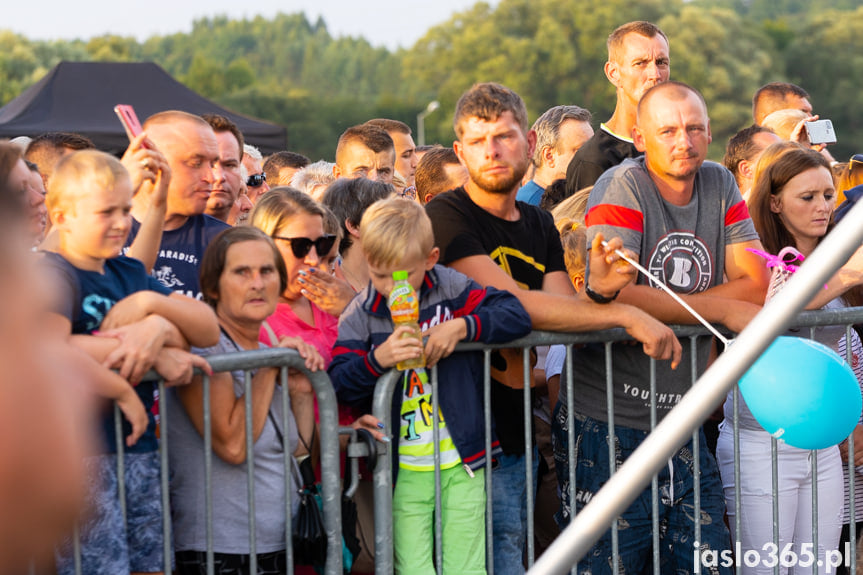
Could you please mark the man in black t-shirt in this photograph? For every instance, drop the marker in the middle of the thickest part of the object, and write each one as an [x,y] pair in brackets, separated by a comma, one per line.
[484,233]
[637,60]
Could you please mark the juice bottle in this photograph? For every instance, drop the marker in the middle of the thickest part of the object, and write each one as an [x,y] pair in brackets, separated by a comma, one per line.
[405,310]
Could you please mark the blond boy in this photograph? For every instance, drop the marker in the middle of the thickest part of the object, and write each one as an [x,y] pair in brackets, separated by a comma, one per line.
[141,325]
[397,235]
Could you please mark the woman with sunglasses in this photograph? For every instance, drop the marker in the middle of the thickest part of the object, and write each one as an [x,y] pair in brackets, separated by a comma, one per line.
[791,204]
[296,223]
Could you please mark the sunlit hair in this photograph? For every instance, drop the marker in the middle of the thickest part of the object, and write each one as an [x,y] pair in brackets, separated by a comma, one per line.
[170,117]
[331,225]
[784,121]
[769,183]
[616,39]
[213,262]
[774,96]
[547,128]
[370,136]
[569,220]
[770,154]
[79,173]
[279,206]
[394,230]
[391,125]
[488,101]
[847,175]
[742,147]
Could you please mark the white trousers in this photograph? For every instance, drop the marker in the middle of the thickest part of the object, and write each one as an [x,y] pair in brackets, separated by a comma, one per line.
[795,500]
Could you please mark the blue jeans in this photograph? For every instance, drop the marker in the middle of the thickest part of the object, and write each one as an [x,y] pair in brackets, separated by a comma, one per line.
[676,505]
[509,512]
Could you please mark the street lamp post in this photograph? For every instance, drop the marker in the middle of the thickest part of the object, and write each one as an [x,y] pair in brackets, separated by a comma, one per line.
[421,127]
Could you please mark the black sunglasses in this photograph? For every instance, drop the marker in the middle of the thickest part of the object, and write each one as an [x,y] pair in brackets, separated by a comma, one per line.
[256,180]
[302,246]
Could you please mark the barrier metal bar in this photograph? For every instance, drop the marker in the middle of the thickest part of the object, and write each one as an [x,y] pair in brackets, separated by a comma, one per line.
[774,469]
[438,520]
[208,474]
[570,433]
[289,469]
[813,459]
[489,498]
[167,548]
[654,481]
[250,472]
[735,407]
[624,486]
[383,478]
[530,489]
[696,449]
[852,511]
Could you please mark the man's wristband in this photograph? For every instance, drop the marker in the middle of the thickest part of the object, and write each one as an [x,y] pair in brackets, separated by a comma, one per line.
[597,297]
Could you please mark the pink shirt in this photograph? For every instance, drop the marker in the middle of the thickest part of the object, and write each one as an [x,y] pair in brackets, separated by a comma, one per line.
[322,335]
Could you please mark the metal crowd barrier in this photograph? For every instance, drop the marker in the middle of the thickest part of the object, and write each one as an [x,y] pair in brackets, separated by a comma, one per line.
[387,385]
[329,448]
[678,426]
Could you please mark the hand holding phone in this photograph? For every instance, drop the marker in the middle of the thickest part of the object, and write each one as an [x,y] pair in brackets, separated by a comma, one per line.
[127,116]
[820,132]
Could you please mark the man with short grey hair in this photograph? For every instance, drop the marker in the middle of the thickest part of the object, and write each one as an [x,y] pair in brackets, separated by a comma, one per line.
[560,132]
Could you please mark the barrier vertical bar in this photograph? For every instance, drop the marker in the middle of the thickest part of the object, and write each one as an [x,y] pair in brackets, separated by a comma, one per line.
[774,462]
[121,463]
[696,449]
[813,458]
[612,440]
[289,472]
[654,481]
[382,409]
[735,399]
[570,434]
[163,478]
[438,520]
[528,452]
[208,474]
[489,493]
[250,469]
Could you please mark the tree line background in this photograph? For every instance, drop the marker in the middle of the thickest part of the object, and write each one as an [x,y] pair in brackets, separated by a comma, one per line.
[291,71]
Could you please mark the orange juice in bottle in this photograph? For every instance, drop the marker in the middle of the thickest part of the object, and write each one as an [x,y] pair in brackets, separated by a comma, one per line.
[405,310]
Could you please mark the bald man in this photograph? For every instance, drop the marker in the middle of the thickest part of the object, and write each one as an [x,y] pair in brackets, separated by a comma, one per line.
[191,149]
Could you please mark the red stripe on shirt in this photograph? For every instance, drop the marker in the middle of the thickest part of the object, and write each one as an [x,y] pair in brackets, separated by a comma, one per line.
[737,213]
[619,216]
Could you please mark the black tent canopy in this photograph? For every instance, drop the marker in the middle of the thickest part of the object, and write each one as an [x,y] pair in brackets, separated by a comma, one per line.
[80,97]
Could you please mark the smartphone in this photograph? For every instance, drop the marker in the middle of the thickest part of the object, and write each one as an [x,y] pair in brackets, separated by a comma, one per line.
[127,116]
[821,132]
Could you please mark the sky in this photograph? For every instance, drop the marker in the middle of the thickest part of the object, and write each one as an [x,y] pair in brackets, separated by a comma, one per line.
[390,23]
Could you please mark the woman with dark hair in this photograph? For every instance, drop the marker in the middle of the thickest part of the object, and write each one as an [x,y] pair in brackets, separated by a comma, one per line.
[242,275]
[791,204]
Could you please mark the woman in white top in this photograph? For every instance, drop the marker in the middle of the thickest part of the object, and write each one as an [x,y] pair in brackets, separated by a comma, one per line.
[791,204]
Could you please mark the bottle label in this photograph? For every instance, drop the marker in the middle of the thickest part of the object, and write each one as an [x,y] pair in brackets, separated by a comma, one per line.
[398,292]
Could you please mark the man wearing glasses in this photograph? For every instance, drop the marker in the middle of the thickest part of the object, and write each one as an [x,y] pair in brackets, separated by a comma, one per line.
[257,180]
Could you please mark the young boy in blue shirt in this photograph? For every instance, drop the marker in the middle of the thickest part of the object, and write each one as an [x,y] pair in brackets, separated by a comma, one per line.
[89,202]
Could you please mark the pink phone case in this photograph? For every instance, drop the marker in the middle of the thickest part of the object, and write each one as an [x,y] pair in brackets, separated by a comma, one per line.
[127,116]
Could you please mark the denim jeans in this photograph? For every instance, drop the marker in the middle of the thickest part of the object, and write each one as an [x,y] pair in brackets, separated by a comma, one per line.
[509,512]
[676,505]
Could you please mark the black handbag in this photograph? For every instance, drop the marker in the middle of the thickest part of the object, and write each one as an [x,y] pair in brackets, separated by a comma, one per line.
[309,536]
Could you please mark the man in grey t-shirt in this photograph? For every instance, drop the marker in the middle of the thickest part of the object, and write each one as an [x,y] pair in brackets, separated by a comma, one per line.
[685,220]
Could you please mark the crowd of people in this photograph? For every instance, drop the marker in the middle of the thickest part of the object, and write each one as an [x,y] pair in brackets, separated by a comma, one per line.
[194,243]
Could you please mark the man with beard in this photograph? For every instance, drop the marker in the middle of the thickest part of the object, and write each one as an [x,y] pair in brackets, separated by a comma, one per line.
[686,220]
[482,232]
[637,60]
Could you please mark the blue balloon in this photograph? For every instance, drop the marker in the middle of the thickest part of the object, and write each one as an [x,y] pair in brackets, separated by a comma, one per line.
[803,393]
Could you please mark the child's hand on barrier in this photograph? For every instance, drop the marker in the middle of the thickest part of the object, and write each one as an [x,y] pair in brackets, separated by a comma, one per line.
[443,338]
[177,366]
[132,408]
